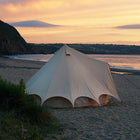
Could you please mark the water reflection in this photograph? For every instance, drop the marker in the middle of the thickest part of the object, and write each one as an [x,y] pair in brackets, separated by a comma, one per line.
[122,61]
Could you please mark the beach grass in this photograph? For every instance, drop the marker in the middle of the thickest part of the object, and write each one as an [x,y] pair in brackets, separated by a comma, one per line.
[12,128]
[21,117]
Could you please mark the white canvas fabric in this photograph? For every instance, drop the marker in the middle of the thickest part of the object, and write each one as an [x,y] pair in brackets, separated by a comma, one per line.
[70,75]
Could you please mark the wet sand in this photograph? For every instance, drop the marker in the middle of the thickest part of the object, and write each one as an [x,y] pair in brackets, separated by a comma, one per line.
[116,121]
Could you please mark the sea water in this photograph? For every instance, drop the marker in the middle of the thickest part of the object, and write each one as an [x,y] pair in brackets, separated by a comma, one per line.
[117,61]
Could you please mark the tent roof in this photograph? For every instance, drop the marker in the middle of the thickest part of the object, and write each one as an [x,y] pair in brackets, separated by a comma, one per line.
[71,74]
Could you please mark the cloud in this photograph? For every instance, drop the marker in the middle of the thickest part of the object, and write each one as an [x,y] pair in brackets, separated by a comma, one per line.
[13,1]
[32,23]
[131,26]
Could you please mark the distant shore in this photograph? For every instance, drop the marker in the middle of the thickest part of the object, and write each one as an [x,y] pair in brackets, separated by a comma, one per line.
[118,120]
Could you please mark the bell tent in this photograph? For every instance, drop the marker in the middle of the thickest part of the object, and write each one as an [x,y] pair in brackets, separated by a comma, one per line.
[72,79]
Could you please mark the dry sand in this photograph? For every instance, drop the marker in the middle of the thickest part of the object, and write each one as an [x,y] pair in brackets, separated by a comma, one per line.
[117,121]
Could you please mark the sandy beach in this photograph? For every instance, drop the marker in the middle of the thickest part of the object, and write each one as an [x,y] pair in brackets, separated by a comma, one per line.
[116,121]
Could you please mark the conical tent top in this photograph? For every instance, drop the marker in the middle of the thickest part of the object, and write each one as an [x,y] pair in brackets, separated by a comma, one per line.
[71,78]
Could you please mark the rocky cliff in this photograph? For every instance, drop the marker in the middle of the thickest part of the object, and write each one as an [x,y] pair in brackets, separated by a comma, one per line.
[11,42]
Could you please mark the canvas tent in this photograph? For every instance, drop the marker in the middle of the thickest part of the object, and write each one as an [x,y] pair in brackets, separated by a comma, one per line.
[72,79]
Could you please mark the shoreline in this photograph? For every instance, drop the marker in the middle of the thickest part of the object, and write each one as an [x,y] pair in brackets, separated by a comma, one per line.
[125,70]
[34,66]
[118,120]
[118,70]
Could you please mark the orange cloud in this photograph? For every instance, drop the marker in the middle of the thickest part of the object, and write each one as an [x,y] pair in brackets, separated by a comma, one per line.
[84,21]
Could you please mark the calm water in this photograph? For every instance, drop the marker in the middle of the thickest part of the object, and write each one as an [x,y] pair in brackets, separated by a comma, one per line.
[120,61]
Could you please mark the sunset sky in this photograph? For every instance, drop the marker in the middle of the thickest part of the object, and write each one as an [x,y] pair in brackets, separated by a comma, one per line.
[80,21]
